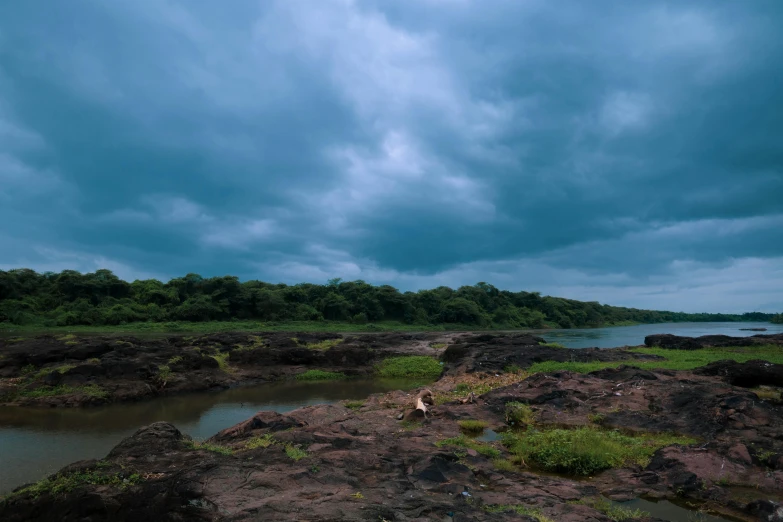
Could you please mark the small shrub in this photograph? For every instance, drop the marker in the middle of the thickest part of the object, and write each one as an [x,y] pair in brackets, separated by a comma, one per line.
[320,375]
[596,418]
[410,366]
[164,372]
[260,442]
[295,453]
[175,359]
[27,370]
[472,426]
[519,414]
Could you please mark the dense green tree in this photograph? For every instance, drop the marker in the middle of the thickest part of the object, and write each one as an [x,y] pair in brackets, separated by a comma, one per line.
[101,298]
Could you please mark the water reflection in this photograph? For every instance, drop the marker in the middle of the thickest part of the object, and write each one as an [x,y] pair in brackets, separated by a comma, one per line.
[634,335]
[35,442]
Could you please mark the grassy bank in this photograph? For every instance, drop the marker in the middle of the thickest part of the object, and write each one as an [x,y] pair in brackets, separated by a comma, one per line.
[672,359]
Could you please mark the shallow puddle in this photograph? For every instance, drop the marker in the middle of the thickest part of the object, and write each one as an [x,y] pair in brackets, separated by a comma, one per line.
[670,512]
[35,442]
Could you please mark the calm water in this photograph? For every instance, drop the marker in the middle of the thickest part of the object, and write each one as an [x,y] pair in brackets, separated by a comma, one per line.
[665,510]
[634,335]
[35,442]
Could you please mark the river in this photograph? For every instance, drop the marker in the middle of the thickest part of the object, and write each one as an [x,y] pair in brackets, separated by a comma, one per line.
[634,335]
[35,442]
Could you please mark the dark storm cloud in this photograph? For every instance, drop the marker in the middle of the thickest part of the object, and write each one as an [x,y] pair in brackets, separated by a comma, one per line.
[620,151]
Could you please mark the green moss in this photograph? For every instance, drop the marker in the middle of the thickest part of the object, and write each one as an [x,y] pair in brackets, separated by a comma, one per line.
[586,450]
[354,405]
[410,366]
[471,426]
[320,375]
[295,453]
[260,442]
[466,442]
[65,483]
[208,446]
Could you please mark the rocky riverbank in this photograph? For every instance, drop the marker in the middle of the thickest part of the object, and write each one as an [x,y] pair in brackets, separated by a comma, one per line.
[496,444]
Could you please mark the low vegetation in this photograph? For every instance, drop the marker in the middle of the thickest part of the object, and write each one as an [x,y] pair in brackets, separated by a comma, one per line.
[91,390]
[519,415]
[519,509]
[613,511]
[670,359]
[65,483]
[208,446]
[222,360]
[295,453]
[353,405]
[263,441]
[320,375]
[478,383]
[472,427]
[410,366]
[463,441]
[324,345]
[585,450]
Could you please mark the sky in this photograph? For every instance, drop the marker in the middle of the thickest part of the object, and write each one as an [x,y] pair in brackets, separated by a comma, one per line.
[623,152]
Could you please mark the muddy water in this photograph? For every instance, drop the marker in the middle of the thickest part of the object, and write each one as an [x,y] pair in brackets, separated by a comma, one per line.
[35,442]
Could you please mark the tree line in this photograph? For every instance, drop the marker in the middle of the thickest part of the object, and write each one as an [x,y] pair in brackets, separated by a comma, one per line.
[101,298]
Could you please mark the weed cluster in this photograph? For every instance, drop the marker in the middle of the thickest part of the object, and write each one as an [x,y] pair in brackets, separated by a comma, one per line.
[260,442]
[519,414]
[208,446]
[65,483]
[466,442]
[519,510]
[320,375]
[586,450]
[353,405]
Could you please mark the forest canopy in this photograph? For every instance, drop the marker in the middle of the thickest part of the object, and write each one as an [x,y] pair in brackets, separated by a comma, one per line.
[101,298]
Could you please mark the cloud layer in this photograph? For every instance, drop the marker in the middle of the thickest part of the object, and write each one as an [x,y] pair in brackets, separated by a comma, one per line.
[622,152]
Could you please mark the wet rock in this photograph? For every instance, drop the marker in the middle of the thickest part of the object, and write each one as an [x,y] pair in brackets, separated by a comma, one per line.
[766,510]
[676,342]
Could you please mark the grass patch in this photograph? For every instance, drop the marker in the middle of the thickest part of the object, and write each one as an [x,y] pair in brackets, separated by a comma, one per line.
[222,360]
[324,345]
[91,390]
[207,446]
[613,511]
[438,346]
[503,465]
[320,375]
[295,453]
[671,359]
[553,345]
[175,359]
[519,510]
[466,442]
[586,450]
[410,366]
[353,405]
[61,484]
[66,337]
[472,427]
[260,442]
[519,414]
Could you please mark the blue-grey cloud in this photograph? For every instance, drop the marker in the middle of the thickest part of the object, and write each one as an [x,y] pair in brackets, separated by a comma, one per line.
[627,152]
